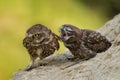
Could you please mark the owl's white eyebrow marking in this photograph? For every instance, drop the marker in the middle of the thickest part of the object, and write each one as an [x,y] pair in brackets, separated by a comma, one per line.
[29,35]
[68,29]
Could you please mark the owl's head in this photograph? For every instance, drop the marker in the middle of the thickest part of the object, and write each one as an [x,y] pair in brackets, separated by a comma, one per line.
[67,33]
[38,33]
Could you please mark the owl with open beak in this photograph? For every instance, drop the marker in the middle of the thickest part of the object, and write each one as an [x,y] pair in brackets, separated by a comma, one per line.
[83,44]
[40,43]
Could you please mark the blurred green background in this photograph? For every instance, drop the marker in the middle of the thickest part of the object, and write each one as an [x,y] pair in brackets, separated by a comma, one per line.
[16,16]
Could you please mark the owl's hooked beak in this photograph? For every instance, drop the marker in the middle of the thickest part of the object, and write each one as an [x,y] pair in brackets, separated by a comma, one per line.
[65,33]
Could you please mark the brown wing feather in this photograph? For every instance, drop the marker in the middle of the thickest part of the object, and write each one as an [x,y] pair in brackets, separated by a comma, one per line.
[95,41]
[55,40]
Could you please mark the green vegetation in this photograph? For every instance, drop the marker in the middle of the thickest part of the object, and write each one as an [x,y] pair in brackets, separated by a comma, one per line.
[16,16]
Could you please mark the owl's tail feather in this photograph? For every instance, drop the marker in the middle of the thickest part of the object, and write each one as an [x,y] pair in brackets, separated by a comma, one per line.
[106,47]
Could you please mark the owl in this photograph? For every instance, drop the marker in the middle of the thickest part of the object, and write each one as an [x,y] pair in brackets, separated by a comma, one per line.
[40,43]
[83,43]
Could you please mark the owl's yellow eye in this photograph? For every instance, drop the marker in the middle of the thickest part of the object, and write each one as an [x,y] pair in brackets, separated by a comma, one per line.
[36,36]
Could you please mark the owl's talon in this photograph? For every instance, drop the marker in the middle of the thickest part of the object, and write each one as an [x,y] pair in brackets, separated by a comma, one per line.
[72,58]
[28,68]
[42,64]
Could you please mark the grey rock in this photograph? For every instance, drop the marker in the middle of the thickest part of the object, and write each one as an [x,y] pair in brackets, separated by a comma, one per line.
[105,66]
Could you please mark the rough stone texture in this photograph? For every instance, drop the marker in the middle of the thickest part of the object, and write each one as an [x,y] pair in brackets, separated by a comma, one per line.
[105,66]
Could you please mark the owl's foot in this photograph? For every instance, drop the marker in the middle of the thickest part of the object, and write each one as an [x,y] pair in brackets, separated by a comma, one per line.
[28,68]
[43,64]
[72,58]
[78,58]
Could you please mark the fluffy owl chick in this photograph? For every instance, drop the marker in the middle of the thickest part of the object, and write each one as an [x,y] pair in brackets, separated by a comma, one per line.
[83,44]
[40,43]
